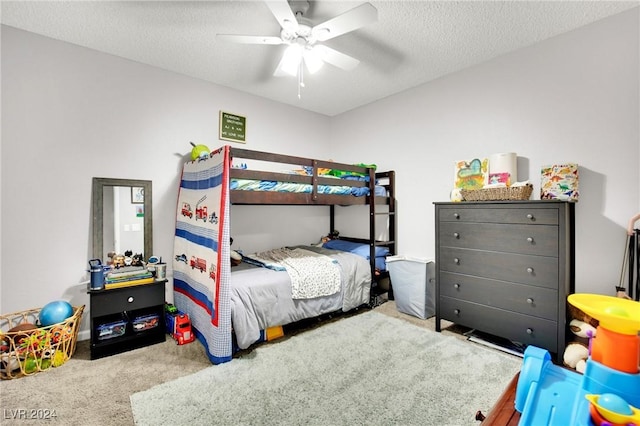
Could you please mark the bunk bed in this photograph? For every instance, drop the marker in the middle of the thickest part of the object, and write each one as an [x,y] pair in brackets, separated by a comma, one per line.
[213,296]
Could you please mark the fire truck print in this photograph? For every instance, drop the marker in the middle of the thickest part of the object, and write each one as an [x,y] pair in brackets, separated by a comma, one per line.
[212,272]
[201,211]
[186,210]
[199,263]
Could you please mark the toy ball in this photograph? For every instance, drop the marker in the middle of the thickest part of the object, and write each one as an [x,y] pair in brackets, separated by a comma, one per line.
[24,328]
[30,365]
[55,312]
[58,358]
[199,151]
[9,363]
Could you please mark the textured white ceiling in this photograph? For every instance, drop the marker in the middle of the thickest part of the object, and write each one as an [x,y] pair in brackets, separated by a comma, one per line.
[413,41]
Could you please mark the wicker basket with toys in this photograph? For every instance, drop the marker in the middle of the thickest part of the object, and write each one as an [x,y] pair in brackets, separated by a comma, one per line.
[37,339]
[521,193]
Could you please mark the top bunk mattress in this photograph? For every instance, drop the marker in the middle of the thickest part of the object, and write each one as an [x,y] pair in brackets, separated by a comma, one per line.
[302,188]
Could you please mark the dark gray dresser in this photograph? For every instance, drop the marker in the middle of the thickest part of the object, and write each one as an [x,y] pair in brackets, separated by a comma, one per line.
[506,268]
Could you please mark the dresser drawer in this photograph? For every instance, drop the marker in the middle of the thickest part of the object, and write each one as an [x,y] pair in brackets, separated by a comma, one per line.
[523,239]
[522,215]
[525,299]
[541,271]
[127,299]
[510,325]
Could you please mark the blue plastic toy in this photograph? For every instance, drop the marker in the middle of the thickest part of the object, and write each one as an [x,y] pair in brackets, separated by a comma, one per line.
[608,394]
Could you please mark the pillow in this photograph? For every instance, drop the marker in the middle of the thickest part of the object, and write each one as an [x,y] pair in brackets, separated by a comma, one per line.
[355,248]
[381,263]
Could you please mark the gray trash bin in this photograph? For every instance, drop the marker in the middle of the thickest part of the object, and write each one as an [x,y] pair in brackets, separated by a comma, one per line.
[413,283]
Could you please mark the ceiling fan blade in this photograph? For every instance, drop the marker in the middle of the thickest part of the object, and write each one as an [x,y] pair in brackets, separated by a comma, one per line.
[248,39]
[351,20]
[335,58]
[283,13]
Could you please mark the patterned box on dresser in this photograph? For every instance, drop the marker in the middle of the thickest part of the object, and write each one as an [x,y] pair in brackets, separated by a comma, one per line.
[559,182]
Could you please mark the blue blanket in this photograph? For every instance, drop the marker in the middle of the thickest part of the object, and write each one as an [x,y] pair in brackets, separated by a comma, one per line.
[360,250]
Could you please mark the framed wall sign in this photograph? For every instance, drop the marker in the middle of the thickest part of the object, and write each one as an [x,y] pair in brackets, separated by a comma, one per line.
[233,127]
[137,195]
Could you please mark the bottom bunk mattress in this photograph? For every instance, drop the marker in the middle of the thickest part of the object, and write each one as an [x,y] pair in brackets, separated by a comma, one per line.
[262,297]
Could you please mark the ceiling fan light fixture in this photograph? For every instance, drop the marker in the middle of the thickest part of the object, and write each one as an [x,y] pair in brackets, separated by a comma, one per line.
[291,59]
[312,60]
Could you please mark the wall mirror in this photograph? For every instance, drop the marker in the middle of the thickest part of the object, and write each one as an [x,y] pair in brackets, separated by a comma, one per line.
[122,217]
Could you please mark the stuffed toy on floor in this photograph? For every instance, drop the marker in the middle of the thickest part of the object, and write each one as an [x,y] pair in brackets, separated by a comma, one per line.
[583,328]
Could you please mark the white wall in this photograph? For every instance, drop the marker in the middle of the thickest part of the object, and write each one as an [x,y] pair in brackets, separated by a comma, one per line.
[571,98]
[69,114]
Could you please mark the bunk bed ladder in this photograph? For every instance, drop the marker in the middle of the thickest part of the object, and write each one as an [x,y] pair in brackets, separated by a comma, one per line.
[381,283]
[378,288]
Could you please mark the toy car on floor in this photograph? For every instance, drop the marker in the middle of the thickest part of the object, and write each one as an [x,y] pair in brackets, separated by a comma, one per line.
[179,326]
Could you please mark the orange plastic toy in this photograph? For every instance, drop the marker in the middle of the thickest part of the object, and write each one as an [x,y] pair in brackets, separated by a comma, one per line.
[617,344]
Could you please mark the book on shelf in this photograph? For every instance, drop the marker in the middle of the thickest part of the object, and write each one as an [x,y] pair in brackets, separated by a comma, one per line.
[138,276]
[126,271]
[128,283]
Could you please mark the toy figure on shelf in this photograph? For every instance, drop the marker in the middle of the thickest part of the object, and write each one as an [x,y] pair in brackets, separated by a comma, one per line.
[115,260]
[608,393]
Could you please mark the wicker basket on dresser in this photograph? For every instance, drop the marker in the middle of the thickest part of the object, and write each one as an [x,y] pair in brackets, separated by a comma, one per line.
[506,268]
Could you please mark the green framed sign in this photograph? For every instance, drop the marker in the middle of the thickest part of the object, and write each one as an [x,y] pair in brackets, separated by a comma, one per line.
[233,127]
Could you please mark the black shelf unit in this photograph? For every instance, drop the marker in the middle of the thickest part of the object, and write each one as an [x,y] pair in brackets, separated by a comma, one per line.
[125,305]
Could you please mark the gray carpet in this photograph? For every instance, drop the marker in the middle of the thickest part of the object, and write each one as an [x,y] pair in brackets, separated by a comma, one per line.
[367,369]
[82,392]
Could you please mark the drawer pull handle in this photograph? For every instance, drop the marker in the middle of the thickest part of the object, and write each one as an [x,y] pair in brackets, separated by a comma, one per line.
[456,260]
[529,300]
[529,330]
[456,311]
[456,215]
[456,235]
[130,299]
[530,216]
[456,286]
[530,270]
[530,239]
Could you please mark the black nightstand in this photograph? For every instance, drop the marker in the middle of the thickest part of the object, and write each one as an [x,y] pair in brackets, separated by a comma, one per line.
[126,318]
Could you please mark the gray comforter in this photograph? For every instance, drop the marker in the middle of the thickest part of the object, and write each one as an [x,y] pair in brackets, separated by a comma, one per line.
[262,298]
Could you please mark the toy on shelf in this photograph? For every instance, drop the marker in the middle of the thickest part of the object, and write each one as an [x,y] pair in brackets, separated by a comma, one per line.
[608,393]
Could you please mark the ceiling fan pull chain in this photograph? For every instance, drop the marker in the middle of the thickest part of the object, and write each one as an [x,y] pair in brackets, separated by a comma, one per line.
[300,77]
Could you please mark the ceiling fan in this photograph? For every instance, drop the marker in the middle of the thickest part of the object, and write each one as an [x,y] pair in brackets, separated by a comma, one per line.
[302,38]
